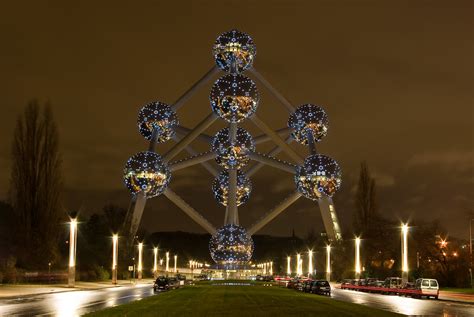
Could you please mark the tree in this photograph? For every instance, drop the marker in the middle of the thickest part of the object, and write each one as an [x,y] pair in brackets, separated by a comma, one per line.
[365,205]
[35,185]
[115,217]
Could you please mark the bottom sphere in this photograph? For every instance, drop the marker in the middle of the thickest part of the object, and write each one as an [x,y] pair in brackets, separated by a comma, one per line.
[231,246]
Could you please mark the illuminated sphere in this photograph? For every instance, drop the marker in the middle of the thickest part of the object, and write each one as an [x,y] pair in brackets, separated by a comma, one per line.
[234,47]
[234,97]
[307,118]
[146,172]
[220,187]
[319,176]
[158,116]
[232,155]
[231,246]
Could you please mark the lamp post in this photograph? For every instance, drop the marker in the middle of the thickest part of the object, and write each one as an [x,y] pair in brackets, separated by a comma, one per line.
[357,258]
[328,263]
[175,263]
[155,262]
[288,265]
[310,262]
[140,260]
[71,281]
[404,253]
[114,258]
[271,267]
[298,265]
[167,262]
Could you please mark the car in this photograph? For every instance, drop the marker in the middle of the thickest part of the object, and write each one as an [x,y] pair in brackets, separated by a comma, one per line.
[429,287]
[321,287]
[181,277]
[393,282]
[259,277]
[292,283]
[307,286]
[173,282]
[161,283]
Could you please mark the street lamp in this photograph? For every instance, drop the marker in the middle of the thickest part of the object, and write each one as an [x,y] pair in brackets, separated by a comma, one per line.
[328,263]
[155,262]
[271,267]
[114,258]
[175,263]
[71,281]
[288,265]
[310,262]
[299,270]
[404,253]
[140,260]
[357,258]
[167,262]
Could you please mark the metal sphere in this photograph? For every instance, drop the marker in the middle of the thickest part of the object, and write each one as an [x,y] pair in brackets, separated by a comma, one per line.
[234,51]
[231,246]
[308,118]
[319,176]
[220,187]
[234,97]
[233,155]
[158,116]
[146,172]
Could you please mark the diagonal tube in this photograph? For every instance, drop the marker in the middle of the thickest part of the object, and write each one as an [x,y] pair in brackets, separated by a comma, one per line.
[264,138]
[274,162]
[274,213]
[256,167]
[193,160]
[188,210]
[273,91]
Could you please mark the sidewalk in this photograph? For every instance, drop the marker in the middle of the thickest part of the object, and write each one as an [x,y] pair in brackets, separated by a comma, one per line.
[22,290]
[457,297]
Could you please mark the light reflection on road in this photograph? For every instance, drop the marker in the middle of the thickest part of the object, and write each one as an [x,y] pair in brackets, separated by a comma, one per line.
[405,305]
[74,303]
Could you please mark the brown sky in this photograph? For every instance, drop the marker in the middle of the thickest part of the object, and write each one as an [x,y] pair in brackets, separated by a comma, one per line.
[395,78]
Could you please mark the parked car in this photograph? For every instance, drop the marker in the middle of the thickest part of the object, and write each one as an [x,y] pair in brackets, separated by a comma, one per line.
[307,286]
[161,283]
[428,287]
[259,277]
[181,277]
[173,282]
[393,282]
[321,287]
[292,283]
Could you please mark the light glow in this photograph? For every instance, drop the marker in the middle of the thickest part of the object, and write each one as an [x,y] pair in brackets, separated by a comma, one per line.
[140,253]
[167,261]
[357,255]
[288,265]
[72,242]
[310,262]
[175,263]
[155,259]
[328,259]
[114,251]
[405,248]
[299,265]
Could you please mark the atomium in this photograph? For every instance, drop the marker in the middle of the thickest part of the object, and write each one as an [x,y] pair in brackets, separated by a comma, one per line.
[234,97]
[319,176]
[231,246]
[220,187]
[234,51]
[233,155]
[306,119]
[160,117]
[146,172]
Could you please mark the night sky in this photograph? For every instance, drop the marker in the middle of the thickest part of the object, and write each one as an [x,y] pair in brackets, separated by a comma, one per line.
[395,77]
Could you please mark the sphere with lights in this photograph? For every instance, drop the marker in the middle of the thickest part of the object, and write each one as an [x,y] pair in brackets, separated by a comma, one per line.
[234,97]
[233,154]
[160,117]
[146,172]
[308,118]
[220,187]
[231,246]
[319,176]
[234,51]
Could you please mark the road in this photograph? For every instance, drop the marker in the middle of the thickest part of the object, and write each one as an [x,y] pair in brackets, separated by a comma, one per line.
[405,305]
[73,303]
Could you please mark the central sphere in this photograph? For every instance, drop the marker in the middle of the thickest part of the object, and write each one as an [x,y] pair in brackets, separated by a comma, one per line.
[234,51]
[146,172]
[235,154]
[231,246]
[234,97]
[160,117]
[319,176]
[220,187]
[308,118]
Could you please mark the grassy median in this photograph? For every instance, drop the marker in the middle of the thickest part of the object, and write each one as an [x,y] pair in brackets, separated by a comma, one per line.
[209,299]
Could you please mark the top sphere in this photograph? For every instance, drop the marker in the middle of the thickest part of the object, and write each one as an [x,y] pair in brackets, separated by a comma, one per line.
[146,172]
[160,117]
[234,51]
[234,97]
[319,176]
[306,119]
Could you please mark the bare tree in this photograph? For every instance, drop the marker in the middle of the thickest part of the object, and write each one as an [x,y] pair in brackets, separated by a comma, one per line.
[365,205]
[35,185]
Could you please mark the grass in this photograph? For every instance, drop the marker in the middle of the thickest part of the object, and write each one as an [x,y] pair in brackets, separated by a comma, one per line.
[469,291]
[206,299]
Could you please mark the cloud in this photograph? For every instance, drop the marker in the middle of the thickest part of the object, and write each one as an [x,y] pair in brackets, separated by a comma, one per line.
[460,160]
[383,179]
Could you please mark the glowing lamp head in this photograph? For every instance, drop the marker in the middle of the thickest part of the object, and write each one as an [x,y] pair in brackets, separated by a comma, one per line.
[158,117]
[308,118]
[234,51]
[319,176]
[146,172]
